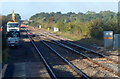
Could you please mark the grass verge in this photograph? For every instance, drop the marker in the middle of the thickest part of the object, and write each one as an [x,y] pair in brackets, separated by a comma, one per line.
[81,39]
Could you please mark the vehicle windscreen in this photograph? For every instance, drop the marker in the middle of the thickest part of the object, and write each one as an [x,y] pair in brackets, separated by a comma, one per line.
[13,34]
[13,25]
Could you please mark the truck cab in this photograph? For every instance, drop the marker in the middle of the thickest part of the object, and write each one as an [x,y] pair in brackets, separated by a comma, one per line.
[13,38]
[13,26]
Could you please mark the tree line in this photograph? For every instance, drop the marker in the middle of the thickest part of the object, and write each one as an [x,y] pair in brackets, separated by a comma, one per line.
[89,24]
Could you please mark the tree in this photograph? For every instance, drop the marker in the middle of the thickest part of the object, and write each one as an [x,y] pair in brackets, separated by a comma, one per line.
[90,12]
[96,29]
[89,23]
[61,25]
[4,20]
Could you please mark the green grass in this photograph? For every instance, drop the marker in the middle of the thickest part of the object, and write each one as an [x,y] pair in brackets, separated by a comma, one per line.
[69,36]
[80,38]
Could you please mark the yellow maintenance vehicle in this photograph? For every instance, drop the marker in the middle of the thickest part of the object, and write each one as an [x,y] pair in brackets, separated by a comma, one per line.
[13,34]
[13,25]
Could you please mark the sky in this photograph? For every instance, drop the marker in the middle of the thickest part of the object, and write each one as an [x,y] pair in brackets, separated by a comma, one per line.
[28,8]
[59,0]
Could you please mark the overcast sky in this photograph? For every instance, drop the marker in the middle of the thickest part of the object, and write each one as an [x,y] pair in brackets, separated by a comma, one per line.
[29,8]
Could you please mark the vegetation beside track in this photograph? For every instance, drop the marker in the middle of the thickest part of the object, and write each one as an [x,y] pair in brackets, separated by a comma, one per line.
[82,39]
[84,27]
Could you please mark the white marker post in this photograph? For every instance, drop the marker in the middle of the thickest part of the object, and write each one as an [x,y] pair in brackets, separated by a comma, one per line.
[55,29]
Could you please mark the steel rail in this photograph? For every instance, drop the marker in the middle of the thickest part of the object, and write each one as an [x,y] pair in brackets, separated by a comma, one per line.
[53,76]
[95,62]
[118,62]
[69,63]
[94,52]
[105,67]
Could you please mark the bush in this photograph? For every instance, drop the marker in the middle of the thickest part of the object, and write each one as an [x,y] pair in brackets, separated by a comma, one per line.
[97,27]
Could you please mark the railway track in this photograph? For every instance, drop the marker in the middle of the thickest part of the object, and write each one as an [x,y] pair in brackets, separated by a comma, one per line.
[88,56]
[52,74]
[24,62]
[59,60]
[81,47]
